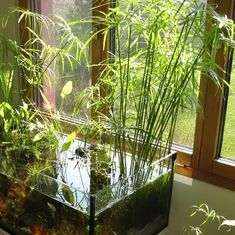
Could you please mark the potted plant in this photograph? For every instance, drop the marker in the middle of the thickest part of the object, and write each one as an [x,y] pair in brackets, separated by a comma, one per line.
[117,179]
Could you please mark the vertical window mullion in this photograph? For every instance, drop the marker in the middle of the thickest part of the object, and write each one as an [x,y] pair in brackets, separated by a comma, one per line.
[208,122]
[99,52]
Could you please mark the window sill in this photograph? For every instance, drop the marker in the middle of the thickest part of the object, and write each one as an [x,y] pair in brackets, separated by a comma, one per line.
[223,174]
[224,168]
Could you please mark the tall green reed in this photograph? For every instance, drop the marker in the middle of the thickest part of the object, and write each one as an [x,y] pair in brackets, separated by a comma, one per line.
[160,46]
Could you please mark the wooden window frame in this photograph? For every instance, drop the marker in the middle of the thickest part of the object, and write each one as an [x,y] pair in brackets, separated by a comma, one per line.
[203,163]
[98,51]
[200,162]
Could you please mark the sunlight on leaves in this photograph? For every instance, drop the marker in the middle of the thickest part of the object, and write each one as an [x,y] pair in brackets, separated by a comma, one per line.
[67,89]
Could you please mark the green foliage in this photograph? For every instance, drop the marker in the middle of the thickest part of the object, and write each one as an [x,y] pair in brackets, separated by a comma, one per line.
[228,148]
[67,89]
[22,128]
[70,140]
[160,47]
[67,194]
[35,60]
[23,132]
[9,51]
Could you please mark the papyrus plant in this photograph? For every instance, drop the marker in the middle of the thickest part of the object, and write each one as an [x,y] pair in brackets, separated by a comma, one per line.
[160,47]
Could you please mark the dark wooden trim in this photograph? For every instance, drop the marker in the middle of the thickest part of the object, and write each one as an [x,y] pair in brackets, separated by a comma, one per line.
[48,87]
[24,4]
[224,168]
[99,50]
[214,179]
[205,166]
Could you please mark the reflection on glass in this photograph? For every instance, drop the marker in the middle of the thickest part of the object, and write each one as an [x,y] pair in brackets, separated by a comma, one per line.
[62,72]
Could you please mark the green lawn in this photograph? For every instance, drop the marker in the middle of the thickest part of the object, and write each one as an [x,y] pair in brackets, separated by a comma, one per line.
[186,126]
[228,147]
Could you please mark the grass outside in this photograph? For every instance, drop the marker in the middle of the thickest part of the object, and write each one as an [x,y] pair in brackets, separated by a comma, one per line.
[228,146]
[185,127]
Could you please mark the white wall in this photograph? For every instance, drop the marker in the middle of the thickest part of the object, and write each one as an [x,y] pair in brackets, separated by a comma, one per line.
[188,192]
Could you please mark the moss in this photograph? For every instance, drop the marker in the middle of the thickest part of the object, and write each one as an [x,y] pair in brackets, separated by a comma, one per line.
[133,213]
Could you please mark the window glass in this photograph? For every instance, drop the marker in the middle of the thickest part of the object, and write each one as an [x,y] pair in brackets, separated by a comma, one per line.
[185,128]
[228,144]
[79,73]
[186,122]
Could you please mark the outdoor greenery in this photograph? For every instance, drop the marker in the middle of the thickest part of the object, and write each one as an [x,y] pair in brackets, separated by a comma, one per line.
[130,114]
[160,49]
[186,123]
[228,148]
[80,74]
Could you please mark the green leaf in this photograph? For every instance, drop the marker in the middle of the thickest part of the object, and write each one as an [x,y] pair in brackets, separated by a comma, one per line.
[71,136]
[11,171]
[1,111]
[4,164]
[38,137]
[6,105]
[65,146]
[69,141]
[67,89]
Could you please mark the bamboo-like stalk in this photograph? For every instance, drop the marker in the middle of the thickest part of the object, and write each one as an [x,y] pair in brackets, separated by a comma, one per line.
[155,113]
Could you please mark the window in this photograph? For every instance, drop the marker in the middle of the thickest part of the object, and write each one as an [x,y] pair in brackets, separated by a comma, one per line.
[79,74]
[228,147]
[205,163]
[202,163]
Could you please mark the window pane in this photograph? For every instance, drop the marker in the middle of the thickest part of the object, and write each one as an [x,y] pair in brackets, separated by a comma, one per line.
[79,74]
[228,145]
[185,128]
[186,122]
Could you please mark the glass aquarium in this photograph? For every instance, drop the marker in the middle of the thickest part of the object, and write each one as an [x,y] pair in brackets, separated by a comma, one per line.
[67,195]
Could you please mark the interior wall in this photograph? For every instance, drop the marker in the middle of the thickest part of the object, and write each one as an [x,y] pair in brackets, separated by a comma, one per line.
[188,192]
